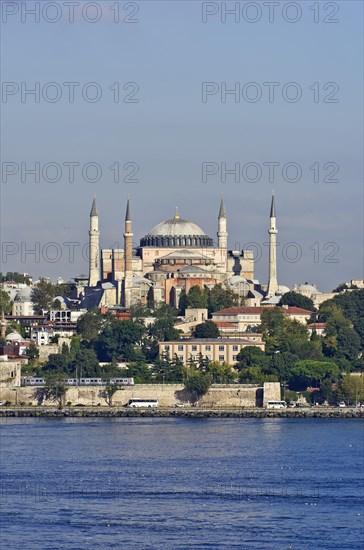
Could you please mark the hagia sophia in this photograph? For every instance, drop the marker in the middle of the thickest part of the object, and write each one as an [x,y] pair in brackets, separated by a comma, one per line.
[174,256]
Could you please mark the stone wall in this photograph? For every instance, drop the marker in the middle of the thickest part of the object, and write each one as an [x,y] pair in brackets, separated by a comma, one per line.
[233,395]
[271,392]
[46,351]
[10,374]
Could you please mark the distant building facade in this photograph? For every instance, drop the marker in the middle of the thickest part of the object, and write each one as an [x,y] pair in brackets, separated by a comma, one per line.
[248,319]
[215,349]
[171,258]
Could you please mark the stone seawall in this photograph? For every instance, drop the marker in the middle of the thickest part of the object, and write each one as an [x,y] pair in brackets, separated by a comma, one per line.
[193,412]
[168,395]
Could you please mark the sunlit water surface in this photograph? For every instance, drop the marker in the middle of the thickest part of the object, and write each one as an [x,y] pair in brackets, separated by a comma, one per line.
[181,483]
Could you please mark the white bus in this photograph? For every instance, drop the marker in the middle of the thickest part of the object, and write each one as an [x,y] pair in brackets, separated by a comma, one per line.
[276,405]
[136,402]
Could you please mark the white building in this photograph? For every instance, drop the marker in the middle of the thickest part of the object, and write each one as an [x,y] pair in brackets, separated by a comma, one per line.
[247,319]
[22,304]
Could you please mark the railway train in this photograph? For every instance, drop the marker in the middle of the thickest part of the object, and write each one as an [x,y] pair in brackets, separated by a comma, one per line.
[34,381]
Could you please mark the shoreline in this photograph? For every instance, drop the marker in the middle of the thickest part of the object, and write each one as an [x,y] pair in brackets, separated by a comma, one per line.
[195,412]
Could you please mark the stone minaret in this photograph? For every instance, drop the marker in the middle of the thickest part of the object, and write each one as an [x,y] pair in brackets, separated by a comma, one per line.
[272,282]
[222,233]
[94,235]
[128,252]
[3,325]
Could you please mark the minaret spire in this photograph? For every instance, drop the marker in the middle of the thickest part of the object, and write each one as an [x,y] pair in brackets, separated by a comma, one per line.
[128,259]
[273,208]
[272,282]
[94,208]
[222,233]
[94,244]
[127,214]
[222,212]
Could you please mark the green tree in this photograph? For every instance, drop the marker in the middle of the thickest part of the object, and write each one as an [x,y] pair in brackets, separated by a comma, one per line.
[252,356]
[182,303]
[342,341]
[108,393]
[16,277]
[54,390]
[326,390]
[208,329]
[297,300]
[351,389]
[221,373]
[85,364]
[341,287]
[255,375]
[352,306]
[305,349]
[198,385]
[13,326]
[57,364]
[89,324]
[221,298]
[294,330]
[6,304]
[118,341]
[290,396]
[42,296]
[56,304]
[308,373]
[32,353]
[272,327]
[141,373]
[197,298]
[167,370]
[348,342]
[139,311]
[281,365]
[163,329]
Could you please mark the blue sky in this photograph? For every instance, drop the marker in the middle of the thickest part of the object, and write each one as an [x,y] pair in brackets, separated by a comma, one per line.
[170,132]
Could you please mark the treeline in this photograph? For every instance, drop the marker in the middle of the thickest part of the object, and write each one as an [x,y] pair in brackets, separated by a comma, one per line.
[290,357]
[15,277]
[44,295]
[212,299]
[103,338]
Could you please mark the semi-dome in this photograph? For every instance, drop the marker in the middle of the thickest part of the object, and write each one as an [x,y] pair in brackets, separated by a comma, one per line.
[13,337]
[308,289]
[176,232]
[23,295]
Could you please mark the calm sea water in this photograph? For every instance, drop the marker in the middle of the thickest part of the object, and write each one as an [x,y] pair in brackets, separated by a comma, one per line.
[181,484]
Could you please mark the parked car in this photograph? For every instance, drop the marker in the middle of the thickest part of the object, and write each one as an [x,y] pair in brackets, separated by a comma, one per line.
[341,404]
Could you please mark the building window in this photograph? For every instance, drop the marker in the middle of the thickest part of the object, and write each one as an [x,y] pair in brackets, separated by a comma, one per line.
[207,348]
[235,348]
[180,348]
[221,348]
[194,348]
[221,357]
[166,348]
[235,357]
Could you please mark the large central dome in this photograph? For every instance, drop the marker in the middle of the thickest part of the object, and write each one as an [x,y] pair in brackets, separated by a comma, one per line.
[176,232]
